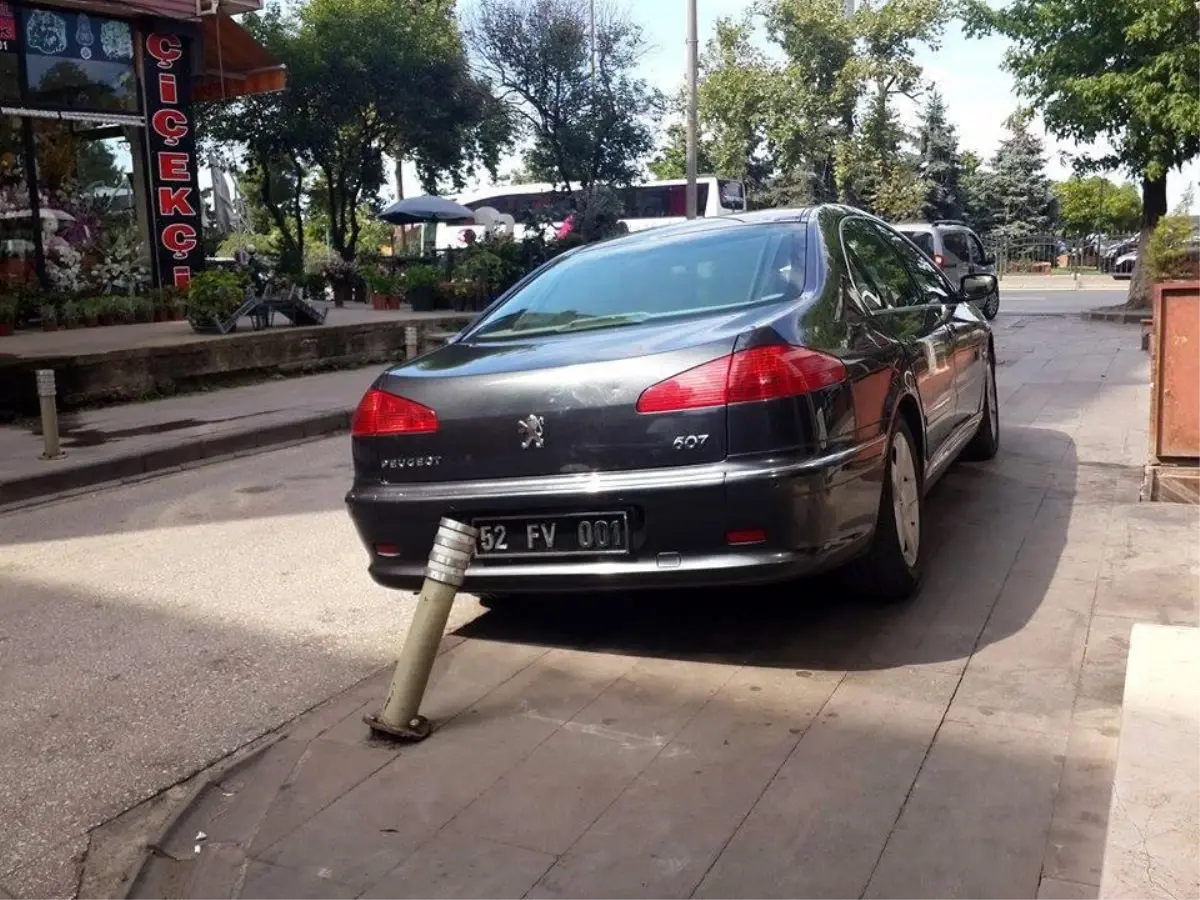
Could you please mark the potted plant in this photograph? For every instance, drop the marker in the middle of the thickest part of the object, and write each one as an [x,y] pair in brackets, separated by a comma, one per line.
[421,284]
[342,275]
[69,314]
[380,284]
[8,314]
[122,310]
[213,298]
[89,312]
[396,289]
[143,309]
[49,315]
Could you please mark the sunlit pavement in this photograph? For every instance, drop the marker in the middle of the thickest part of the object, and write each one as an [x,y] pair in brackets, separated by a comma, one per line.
[707,744]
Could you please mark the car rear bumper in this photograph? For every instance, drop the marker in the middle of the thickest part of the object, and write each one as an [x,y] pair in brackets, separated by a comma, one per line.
[815,513]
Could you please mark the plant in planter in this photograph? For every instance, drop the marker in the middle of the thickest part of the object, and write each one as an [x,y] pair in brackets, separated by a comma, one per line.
[396,292]
[481,272]
[342,275]
[89,311]
[1173,253]
[212,299]
[49,315]
[380,284]
[421,286]
[143,309]
[121,309]
[69,314]
[8,315]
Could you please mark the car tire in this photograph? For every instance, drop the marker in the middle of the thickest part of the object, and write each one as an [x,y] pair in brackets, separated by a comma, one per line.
[986,442]
[890,571]
[991,306]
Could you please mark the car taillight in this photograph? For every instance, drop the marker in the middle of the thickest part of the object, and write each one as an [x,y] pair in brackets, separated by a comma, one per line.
[380,413]
[761,373]
[940,260]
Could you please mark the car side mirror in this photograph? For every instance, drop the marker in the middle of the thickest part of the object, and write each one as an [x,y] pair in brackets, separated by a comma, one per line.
[976,288]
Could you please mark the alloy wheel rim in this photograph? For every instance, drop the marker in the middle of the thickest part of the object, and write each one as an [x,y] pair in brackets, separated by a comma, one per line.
[906,503]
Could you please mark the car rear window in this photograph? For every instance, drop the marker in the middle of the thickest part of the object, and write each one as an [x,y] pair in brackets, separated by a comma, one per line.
[649,277]
[922,239]
[957,246]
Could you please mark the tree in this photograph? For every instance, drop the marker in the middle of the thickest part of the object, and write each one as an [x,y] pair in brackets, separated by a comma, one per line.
[1020,191]
[977,186]
[1123,72]
[939,164]
[1096,205]
[582,131]
[365,77]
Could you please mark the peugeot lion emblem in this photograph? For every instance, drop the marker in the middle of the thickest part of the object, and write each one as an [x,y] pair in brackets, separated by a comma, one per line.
[532,433]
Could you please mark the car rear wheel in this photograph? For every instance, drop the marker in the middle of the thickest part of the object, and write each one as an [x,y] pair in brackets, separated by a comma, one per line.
[986,443]
[891,570]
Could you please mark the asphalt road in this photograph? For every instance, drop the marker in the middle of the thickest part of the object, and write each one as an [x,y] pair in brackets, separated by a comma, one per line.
[149,630]
[1059,302]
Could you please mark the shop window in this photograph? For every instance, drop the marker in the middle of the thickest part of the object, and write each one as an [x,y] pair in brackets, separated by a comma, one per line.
[89,220]
[79,61]
[18,268]
[10,72]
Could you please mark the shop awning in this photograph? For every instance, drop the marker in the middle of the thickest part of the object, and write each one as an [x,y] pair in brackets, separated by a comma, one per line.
[235,64]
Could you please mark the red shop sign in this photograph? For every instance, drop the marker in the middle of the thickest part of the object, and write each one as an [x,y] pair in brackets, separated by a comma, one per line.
[171,151]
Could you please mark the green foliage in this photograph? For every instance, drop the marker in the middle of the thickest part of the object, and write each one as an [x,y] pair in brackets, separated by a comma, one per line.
[536,54]
[940,165]
[422,277]
[1172,251]
[8,309]
[365,77]
[1096,205]
[1017,187]
[214,295]
[253,243]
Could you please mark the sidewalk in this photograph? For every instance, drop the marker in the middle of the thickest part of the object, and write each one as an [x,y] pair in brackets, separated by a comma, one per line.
[123,442]
[1062,282]
[787,743]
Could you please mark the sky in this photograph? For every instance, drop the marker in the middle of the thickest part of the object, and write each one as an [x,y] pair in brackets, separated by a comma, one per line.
[979,95]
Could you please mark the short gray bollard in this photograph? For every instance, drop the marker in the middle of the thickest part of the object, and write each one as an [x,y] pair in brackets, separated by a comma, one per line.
[410,342]
[47,394]
[453,547]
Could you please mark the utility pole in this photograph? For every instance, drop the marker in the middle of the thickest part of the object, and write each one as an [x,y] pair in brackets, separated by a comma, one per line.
[693,66]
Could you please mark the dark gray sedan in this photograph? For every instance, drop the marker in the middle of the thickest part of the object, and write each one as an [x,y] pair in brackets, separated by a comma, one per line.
[736,400]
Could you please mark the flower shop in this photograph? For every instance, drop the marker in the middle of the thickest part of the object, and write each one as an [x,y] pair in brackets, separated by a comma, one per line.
[101,209]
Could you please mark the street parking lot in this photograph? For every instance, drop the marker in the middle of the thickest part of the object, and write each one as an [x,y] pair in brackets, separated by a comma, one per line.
[729,743]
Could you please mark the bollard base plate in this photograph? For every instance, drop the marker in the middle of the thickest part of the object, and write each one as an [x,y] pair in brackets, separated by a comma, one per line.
[417,729]
[58,455]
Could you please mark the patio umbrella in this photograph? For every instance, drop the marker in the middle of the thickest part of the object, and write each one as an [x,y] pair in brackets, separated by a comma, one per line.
[45,214]
[413,210]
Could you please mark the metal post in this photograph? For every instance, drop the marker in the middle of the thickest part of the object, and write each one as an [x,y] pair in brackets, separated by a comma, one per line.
[453,547]
[693,77]
[47,399]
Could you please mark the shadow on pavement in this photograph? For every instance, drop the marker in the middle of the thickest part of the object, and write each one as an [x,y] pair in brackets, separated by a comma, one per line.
[979,517]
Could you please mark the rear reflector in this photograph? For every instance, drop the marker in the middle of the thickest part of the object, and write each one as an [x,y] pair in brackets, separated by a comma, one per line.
[749,536]
[380,413]
[761,373]
[387,550]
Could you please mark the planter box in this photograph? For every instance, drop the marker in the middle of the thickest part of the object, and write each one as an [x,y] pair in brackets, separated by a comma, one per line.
[1175,394]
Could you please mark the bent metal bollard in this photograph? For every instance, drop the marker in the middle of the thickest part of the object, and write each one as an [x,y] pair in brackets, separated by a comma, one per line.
[47,394]
[453,547]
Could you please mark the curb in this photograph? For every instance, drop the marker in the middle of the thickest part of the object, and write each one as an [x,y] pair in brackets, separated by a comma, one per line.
[122,468]
[238,760]
[1119,315]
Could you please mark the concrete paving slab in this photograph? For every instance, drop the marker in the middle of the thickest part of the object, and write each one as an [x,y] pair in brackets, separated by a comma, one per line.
[663,832]
[976,822]
[268,882]
[360,839]
[819,827]
[454,864]
[552,797]
[1153,846]
[1056,889]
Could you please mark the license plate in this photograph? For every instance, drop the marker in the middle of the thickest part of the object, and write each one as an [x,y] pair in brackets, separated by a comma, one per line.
[576,534]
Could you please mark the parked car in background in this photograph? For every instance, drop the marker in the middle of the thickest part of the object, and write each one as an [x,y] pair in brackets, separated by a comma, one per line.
[957,250]
[1114,252]
[736,399]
